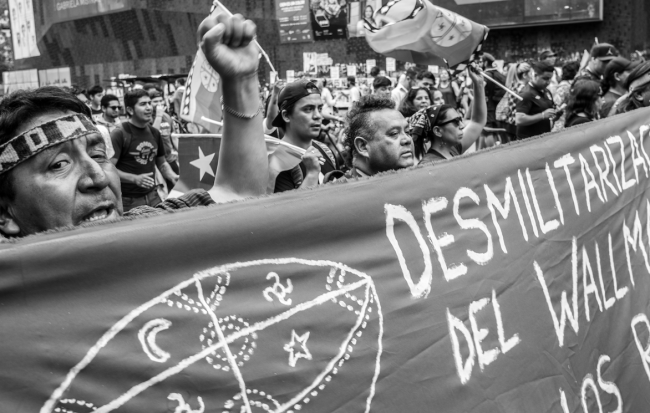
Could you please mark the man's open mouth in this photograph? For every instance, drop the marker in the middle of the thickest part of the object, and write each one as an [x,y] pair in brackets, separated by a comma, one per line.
[99,214]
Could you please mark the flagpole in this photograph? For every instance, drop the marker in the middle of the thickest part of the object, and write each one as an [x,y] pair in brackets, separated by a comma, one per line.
[266,56]
[500,85]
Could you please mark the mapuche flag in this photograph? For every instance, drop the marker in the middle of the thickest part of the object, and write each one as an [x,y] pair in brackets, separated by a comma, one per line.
[419,32]
[203,90]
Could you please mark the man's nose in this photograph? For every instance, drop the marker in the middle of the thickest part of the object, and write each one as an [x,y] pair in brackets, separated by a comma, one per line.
[93,175]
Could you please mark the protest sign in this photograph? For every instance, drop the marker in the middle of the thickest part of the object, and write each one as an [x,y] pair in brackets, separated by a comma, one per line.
[334,72]
[310,63]
[352,70]
[293,21]
[390,64]
[515,279]
[370,63]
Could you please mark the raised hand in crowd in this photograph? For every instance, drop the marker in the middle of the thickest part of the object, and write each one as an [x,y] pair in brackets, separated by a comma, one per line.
[475,126]
[229,46]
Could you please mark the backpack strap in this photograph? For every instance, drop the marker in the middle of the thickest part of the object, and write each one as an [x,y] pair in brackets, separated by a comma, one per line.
[126,134]
[326,152]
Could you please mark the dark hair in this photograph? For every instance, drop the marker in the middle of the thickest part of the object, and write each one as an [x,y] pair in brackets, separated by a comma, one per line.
[181,81]
[107,99]
[583,97]
[22,105]
[352,80]
[359,122]
[132,96]
[418,144]
[148,86]
[542,67]
[155,92]
[374,72]
[411,74]
[427,75]
[381,81]
[629,102]
[95,90]
[570,70]
[407,107]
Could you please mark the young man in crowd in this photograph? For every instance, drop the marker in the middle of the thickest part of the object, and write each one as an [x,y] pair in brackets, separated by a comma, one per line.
[405,83]
[111,109]
[614,77]
[426,80]
[300,118]
[163,122]
[178,95]
[139,149]
[95,93]
[381,87]
[353,90]
[54,171]
[493,93]
[377,138]
[601,54]
[536,111]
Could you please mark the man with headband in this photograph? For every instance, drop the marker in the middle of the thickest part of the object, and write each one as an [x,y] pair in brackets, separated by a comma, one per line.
[300,117]
[54,170]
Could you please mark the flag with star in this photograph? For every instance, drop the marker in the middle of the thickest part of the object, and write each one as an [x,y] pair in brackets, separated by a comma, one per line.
[197,159]
[420,32]
[202,96]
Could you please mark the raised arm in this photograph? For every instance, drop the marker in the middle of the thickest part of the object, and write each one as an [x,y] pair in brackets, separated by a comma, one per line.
[272,110]
[479,111]
[228,44]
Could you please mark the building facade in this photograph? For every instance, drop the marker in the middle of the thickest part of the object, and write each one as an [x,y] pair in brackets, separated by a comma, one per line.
[147,37]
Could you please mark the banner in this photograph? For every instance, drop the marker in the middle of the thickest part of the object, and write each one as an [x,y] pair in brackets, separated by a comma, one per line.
[23,29]
[329,19]
[293,20]
[510,280]
[59,76]
[57,11]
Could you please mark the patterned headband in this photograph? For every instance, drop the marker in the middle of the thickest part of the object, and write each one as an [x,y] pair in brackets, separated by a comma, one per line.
[44,136]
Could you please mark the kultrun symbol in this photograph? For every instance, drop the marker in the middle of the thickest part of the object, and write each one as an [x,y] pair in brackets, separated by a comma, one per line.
[279,290]
[184,407]
[302,353]
[214,340]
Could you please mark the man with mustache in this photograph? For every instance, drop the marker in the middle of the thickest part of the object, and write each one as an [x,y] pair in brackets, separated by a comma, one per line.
[54,170]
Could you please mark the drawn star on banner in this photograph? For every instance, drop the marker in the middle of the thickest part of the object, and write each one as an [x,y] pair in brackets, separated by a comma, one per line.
[203,163]
[303,353]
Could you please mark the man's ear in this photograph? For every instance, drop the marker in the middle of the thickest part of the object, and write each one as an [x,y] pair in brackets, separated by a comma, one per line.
[129,111]
[285,116]
[8,225]
[361,146]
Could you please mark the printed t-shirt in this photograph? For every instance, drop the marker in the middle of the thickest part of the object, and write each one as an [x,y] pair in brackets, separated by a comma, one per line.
[97,113]
[140,157]
[293,178]
[534,102]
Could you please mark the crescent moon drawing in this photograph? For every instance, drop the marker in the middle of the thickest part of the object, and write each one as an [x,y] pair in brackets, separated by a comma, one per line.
[147,337]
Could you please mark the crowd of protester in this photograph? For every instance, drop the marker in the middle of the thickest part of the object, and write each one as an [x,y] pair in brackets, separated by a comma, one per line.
[90,165]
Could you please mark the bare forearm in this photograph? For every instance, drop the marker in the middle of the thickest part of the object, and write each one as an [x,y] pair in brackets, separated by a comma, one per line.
[243,162]
[479,107]
[522,119]
[167,171]
[310,181]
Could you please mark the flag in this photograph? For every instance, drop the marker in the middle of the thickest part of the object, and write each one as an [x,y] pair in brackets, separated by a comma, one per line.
[419,32]
[203,90]
[198,158]
[283,156]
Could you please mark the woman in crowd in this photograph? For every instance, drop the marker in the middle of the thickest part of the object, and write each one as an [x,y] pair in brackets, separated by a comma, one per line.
[517,78]
[417,98]
[367,14]
[583,103]
[638,86]
[449,88]
[561,96]
[440,131]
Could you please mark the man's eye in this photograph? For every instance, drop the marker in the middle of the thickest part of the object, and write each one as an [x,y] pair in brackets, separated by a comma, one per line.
[58,165]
